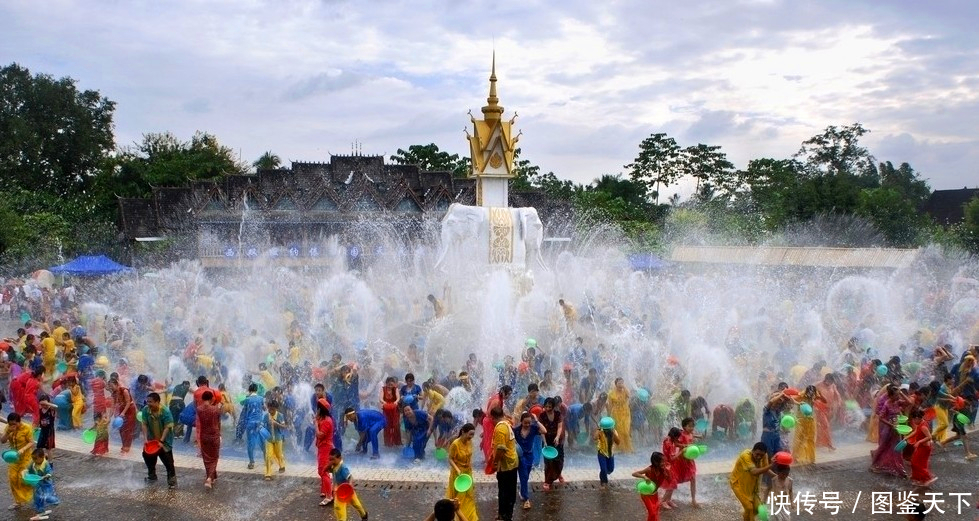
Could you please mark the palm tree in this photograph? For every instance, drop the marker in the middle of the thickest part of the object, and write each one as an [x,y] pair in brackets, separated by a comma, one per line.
[268,161]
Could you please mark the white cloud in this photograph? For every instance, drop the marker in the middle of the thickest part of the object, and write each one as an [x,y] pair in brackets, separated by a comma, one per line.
[589,79]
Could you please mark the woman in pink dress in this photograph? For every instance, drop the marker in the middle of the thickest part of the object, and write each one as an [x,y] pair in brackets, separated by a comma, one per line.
[885,459]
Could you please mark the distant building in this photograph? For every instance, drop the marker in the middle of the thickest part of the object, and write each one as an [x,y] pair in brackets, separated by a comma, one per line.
[946,206]
[290,215]
[308,214]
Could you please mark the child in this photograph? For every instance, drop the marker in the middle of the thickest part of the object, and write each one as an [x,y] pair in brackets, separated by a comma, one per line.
[341,475]
[673,453]
[685,470]
[47,422]
[658,472]
[920,440]
[605,439]
[274,423]
[44,495]
[447,510]
[780,496]
[101,435]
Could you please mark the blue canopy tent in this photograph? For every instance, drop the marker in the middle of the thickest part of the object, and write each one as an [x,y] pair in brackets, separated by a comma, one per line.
[91,266]
[646,261]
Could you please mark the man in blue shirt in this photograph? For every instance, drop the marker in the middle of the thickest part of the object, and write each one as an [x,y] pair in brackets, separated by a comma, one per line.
[368,424]
[252,414]
[416,424]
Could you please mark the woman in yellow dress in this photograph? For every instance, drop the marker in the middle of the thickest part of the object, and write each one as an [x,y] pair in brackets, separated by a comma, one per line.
[460,462]
[804,437]
[618,409]
[20,436]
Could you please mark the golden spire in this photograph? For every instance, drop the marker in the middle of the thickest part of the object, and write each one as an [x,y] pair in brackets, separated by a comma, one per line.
[492,111]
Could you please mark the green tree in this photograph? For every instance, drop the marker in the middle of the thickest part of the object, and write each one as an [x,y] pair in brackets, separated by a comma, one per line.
[165,160]
[268,161]
[895,216]
[430,159]
[838,194]
[906,181]
[837,151]
[658,163]
[969,229]
[772,186]
[53,137]
[528,176]
[707,164]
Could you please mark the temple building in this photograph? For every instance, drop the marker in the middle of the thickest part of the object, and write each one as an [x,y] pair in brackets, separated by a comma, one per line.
[289,216]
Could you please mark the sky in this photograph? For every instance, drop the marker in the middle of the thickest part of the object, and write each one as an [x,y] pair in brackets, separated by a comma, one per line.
[590,80]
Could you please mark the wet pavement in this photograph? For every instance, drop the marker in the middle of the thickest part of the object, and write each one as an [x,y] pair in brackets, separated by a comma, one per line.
[92,489]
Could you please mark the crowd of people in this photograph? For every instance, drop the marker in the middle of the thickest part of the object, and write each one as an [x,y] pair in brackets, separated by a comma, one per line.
[57,376]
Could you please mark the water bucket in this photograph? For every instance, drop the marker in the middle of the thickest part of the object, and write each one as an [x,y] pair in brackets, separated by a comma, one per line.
[139,416]
[344,493]
[264,434]
[702,448]
[902,419]
[549,452]
[32,480]
[11,456]
[701,425]
[536,410]
[88,436]
[962,419]
[152,446]
[463,483]
[606,423]
[903,430]
[788,421]
[901,445]
[61,367]
[117,422]
[646,489]
[881,370]
[806,409]
[408,452]
[790,392]
[441,454]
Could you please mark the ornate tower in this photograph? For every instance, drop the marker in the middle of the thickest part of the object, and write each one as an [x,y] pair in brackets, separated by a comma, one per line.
[492,146]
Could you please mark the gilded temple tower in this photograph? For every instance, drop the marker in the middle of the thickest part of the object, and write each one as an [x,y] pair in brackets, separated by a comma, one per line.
[491,147]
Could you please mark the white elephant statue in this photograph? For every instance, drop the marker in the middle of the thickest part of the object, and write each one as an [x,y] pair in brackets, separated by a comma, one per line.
[507,236]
